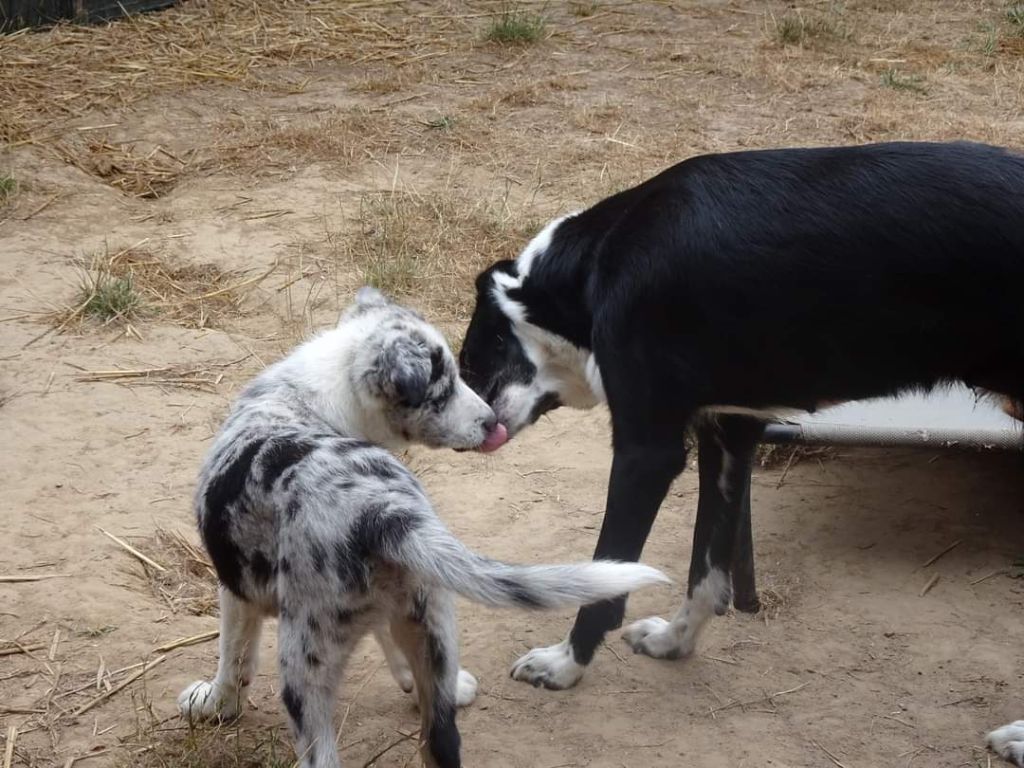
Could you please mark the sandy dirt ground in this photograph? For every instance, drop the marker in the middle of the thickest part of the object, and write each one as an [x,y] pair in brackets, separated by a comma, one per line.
[247,168]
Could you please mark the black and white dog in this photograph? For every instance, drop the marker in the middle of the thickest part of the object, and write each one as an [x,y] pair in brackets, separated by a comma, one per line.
[306,514]
[734,287]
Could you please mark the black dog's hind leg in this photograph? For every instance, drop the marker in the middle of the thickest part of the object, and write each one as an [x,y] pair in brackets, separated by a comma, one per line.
[726,448]
[744,584]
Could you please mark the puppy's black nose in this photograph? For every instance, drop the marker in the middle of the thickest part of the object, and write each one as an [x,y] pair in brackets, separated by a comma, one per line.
[490,423]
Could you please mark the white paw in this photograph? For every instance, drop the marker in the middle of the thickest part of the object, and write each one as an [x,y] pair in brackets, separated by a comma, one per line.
[658,638]
[553,667]
[403,676]
[1008,742]
[465,689]
[204,701]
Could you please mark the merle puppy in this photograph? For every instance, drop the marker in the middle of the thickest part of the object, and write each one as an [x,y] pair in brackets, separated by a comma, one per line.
[308,516]
[730,289]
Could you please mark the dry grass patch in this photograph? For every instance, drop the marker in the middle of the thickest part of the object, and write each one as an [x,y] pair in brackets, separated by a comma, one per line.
[519,95]
[809,29]
[8,187]
[135,172]
[516,26]
[776,595]
[900,81]
[257,145]
[1013,41]
[775,456]
[1015,17]
[389,80]
[583,9]
[134,283]
[430,247]
[188,583]
[176,744]
[71,72]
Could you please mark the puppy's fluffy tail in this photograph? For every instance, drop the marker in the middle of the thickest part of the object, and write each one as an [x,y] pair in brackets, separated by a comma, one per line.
[433,553]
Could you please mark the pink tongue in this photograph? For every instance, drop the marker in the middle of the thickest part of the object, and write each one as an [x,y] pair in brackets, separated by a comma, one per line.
[496,438]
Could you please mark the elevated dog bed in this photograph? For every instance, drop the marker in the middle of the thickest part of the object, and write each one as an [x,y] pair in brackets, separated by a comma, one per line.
[947,417]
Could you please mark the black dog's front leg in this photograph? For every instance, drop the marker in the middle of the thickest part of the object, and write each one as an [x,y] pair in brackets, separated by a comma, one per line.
[640,478]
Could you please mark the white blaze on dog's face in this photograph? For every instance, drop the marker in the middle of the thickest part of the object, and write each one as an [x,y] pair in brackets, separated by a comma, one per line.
[521,368]
[408,381]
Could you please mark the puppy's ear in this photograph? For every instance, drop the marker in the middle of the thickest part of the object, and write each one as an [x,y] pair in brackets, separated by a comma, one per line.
[366,298]
[403,371]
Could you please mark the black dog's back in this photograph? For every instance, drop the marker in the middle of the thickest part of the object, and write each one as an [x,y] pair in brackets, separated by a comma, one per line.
[790,277]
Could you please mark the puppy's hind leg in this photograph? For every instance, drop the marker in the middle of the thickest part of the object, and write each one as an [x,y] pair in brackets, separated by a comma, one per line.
[224,696]
[426,634]
[402,672]
[312,650]
[397,662]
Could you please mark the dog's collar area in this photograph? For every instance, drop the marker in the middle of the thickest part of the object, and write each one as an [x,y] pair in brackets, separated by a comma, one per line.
[548,402]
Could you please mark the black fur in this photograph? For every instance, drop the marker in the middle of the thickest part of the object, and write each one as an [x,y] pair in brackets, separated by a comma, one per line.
[375,466]
[279,456]
[377,532]
[444,741]
[491,354]
[294,706]
[262,569]
[380,529]
[225,490]
[404,371]
[521,595]
[353,573]
[318,555]
[764,279]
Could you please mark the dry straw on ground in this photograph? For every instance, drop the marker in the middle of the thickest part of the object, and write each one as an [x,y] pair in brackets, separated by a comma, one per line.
[148,174]
[72,72]
[128,284]
[432,247]
[776,456]
[174,744]
[262,145]
[185,580]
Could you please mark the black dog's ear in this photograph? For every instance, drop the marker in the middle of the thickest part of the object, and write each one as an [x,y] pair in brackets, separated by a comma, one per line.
[403,371]
[483,280]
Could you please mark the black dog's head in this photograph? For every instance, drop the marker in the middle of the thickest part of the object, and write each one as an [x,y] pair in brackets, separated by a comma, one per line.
[511,357]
